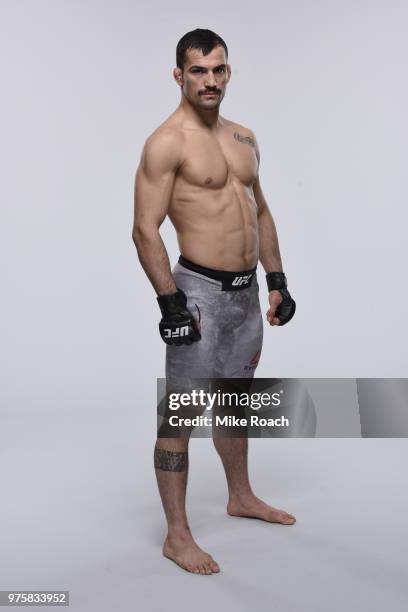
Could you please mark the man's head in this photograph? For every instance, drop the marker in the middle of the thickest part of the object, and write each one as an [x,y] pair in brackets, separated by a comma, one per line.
[202,68]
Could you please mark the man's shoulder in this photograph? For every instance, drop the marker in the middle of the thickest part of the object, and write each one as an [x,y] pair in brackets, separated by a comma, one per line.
[243,134]
[166,134]
[164,146]
[238,128]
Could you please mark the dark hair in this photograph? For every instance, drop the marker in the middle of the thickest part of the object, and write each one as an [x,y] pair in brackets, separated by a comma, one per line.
[203,40]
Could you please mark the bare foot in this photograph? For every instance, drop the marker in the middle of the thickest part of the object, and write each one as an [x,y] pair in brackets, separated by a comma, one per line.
[253,507]
[184,551]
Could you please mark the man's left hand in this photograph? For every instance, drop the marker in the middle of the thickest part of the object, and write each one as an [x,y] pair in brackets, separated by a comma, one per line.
[282,307]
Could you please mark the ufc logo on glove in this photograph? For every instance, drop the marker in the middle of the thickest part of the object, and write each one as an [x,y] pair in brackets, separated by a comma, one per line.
[176,333]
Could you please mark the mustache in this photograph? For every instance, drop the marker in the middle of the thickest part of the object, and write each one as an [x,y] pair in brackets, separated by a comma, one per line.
[217,91]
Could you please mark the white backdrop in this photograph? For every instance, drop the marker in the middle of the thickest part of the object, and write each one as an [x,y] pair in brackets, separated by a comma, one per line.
[323,86]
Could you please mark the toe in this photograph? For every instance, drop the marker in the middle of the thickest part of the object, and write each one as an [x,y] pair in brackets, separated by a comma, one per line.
[289,518]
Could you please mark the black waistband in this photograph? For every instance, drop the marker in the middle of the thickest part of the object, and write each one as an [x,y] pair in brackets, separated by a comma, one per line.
[231,281]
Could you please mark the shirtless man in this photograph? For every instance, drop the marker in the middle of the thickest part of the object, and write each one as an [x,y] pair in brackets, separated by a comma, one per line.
[201,170]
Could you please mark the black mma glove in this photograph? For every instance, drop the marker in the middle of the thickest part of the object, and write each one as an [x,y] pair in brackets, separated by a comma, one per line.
[177,326]
[286,309]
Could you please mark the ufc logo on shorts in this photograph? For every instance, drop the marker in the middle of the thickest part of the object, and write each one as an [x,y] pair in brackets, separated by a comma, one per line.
[176,333]
[241,280]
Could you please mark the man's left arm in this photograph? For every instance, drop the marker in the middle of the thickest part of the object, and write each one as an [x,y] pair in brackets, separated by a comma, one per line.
[269,254]
[282,306]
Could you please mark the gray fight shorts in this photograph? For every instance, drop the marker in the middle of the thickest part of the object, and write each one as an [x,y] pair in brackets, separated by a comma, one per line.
[231,324]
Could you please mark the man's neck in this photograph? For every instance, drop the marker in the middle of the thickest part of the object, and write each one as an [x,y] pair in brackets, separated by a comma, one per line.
[199,117]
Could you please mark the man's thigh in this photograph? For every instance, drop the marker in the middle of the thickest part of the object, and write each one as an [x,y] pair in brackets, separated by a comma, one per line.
[196,360]
[241,338]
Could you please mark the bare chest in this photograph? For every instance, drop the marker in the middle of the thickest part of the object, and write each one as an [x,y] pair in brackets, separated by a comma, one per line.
[211,161]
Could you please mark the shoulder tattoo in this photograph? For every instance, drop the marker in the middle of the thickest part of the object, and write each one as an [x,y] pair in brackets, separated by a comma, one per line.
[244,139]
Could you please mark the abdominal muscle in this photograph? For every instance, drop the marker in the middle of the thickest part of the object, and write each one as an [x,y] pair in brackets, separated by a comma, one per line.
[217,228]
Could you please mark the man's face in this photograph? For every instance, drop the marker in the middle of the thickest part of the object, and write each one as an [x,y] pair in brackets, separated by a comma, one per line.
[205,77]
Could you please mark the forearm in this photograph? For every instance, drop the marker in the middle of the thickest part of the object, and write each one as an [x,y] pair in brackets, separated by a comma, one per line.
[154,260]
[269,254]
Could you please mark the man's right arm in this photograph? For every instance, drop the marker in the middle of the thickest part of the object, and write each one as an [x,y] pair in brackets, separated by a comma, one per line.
[154,182]
[155,176]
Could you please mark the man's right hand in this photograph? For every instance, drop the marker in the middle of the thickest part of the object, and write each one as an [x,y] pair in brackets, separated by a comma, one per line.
[177,326]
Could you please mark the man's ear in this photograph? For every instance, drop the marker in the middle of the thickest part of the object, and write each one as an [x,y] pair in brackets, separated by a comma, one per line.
[228,72]
[178,76]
